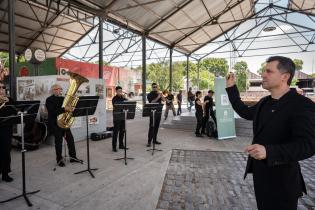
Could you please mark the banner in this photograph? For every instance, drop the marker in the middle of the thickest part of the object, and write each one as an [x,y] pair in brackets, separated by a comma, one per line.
[224,111]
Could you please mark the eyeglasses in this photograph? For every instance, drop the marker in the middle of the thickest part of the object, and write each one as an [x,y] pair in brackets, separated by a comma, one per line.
[57,88]
[154,86]
[2,87]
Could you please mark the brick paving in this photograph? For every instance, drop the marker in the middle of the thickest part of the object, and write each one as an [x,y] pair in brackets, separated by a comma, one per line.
[214,180]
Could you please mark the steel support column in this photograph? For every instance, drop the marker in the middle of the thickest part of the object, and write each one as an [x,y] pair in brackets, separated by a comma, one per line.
[187,73]
[171,70]
[198,74]
[11,25]
[144,69]
[100,45]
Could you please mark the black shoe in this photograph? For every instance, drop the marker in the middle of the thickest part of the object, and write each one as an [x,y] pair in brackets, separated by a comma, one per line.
[75,160]
[199,135]
[115,150]
[7,178]
[123,147]
[61,163]
[157,142]
[149,145]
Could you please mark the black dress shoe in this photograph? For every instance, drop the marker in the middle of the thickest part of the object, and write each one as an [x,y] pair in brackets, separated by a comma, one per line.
[61,163]
[7,178]
[157,142]
[115,150]
[199,135]
[149,145]
[75,160]
[123,147]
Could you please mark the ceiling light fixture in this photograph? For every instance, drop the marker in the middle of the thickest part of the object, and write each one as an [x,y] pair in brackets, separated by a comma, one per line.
[269,29]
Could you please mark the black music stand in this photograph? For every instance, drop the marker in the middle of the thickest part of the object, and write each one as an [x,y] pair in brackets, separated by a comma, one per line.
[125,111]
[86,106]
[151,109]
[27,112]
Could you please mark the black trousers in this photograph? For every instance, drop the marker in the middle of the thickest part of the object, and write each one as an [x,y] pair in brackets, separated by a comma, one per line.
[199,118]
[204,122]
[153,131]
[5,149]
[119,129]
[59,133]
[179,110]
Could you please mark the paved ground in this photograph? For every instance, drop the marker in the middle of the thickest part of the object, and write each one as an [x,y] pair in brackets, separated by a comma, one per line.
[214,180]
[116,186]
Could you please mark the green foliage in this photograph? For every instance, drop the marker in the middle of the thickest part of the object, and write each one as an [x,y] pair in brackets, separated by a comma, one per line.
[262,68]
[294,81]
[313,75]
[159,73]
[298,64]
[241,70]
[217,66]
[4,57]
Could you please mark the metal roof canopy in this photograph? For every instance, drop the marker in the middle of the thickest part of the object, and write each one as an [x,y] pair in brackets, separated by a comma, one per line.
[185,25]
[305,6]
[49,25]
[180,24]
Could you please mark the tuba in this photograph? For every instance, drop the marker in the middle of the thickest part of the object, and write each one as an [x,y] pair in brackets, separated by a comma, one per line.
[66,119]
[3,100]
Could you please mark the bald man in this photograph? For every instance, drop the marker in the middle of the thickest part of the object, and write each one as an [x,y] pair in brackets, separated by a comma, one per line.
[54,108]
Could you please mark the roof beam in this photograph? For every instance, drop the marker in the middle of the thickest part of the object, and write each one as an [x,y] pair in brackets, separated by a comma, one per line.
[229,7]
[253,15]
[137,5]
[46,24]
[233,39]
[163,19]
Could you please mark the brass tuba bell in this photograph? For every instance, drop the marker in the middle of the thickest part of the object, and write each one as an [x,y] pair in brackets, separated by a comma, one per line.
[66,119]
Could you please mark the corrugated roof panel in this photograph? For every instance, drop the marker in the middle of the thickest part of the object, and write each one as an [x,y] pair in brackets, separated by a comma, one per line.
[308,6]
[32,32]
[226,21]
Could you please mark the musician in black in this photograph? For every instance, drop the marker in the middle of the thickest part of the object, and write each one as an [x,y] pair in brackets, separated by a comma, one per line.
[208,110]
[179,98]
[5,137]
[54,108]
[154,97]
[119,124]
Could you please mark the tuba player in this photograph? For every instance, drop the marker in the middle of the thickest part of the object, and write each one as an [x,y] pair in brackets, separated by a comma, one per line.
[54,108]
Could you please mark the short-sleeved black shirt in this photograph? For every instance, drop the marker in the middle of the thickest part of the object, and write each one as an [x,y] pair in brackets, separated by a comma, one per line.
[198,107]
[152,95]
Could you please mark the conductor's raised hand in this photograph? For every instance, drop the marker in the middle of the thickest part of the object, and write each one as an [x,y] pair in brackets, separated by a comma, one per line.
[230,79]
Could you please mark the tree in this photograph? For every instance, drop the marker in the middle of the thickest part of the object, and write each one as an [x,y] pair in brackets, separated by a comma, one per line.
[217,66]
[298,64]
[156,72]
[159,73]
[313,75]
[241,75]
[206,80]
[262,68]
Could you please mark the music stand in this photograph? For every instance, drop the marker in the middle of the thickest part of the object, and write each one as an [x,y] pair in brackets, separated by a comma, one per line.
[126,111]
[151,109]
[86,106]
[28,112]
